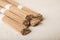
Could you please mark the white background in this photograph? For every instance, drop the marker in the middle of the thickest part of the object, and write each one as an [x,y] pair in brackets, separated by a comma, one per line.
[48,30]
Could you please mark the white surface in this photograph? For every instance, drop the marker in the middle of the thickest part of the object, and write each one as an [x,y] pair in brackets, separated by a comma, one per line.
[48,30]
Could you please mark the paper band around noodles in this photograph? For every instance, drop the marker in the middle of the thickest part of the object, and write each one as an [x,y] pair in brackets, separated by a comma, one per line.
[8,6]
[5,8]
[20,6]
